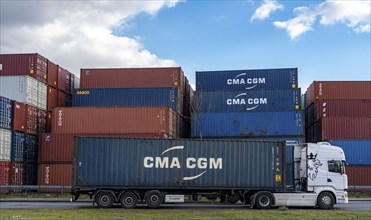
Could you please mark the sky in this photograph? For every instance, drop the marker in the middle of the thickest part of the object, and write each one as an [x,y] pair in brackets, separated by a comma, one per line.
[325,40]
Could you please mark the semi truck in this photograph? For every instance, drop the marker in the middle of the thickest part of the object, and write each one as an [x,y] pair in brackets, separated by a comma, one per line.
[131,171]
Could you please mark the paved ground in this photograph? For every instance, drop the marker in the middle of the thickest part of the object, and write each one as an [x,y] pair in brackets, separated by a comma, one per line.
[359,204]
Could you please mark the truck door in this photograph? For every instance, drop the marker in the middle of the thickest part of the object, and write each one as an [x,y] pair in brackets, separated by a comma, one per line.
[336,174]
[316,170]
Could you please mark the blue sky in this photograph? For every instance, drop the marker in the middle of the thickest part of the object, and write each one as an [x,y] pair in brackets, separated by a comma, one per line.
[326,40]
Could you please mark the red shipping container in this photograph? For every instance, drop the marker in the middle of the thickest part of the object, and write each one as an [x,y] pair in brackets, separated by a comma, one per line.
[121,120]
[32,119]
[68,82]
[52,74]
[55,175]
[19,116]
[33,65]
[4,175]
[320,90]
[344,128]
[16,175]
[52,98]
[168,77]
[62,96]
[343,108]
[48,122]
[358,176]
[41,121]
[62,79]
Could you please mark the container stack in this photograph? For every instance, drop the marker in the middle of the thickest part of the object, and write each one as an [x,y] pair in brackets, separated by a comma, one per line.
[339,112]
[247,104]
[29,88]
[125,102]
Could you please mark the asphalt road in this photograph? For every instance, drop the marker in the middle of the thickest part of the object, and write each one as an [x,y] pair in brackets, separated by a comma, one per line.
[5,204]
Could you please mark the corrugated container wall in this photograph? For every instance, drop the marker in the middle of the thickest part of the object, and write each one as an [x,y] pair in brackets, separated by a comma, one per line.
[130,163]
[30,174]
[344,128]
[24,89]
[324,90]
[338,108]
[55,174]
[358,152]
[254,124]
[16,173]
[31,149]
[56,148]
[6,113]
[18,147]
[62,79]
[169,97]
[4,175]
[5,144]
[62,97]
[41,121]
[359,178]
[244,80]
[52,74]
[90,120]
[32,119]
[52,98]
[33,65]
[247,101]
[169,77]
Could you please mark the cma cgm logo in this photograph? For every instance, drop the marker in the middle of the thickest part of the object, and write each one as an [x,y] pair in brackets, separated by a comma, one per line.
[202,163]
[241,100]
[241,80]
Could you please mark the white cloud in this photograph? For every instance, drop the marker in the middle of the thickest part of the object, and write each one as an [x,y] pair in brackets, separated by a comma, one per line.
[267,7]
[353,13]
[78,34]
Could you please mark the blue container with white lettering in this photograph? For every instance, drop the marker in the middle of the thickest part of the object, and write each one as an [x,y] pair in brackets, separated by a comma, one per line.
[169,97]
[6,111]
[247,101]
[178,164]
[18,147]
[244,80]
[244,125]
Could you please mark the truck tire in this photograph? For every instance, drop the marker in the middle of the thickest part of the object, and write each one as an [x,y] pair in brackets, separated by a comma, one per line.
[129,200]
[326,200]
[233,198]
[264,201]
[105,199]
[154,198]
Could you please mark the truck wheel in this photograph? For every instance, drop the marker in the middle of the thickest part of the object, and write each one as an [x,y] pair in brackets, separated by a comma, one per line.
[104,199]
[264,201]
[325,200]
[233,198]
[128,200]
[154,198]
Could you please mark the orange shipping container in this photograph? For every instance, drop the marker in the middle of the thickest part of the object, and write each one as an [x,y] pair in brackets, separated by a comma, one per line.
[55,175]
[359,177]
[119,120]
[320,90]
[166,77]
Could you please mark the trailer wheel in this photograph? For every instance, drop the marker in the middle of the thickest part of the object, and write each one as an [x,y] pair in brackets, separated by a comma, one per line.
[154,198]
[104,199]
[129,200]
[233,198]
[325,200]
[264,201]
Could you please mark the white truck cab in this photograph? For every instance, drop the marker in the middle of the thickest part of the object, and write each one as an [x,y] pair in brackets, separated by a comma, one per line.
[320,171]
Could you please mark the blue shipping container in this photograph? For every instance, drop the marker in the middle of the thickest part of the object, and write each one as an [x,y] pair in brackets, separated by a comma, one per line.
[31,149]
[18,146]
[128,97]
[177,164]
[253,124]
[357,152]
[30,174]
[248,101]
[243,80]
[6,112]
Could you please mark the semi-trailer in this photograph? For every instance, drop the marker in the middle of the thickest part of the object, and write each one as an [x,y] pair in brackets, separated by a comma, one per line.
[129,171]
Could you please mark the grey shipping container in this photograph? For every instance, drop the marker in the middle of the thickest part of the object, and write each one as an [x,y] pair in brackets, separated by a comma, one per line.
[178,164]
